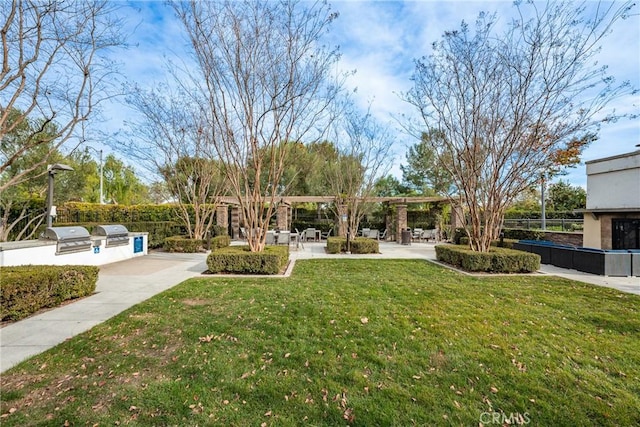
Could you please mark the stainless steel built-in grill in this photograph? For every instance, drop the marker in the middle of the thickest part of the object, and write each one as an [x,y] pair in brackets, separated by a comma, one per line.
[115,234]
[69,239]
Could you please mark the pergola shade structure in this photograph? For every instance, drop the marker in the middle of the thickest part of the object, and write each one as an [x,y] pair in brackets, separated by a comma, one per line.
[285,202]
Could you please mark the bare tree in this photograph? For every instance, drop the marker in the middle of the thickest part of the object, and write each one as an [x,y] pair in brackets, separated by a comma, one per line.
[264,76]
[363,148]
[53,71]
[514,105]
[172,139]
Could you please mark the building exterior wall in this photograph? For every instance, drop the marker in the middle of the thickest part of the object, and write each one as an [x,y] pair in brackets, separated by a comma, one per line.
[606,222]
[613,192]
[591,235]
[614,182]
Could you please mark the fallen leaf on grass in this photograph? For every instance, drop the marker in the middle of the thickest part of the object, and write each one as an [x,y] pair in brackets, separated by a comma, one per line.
[348,415]
[206,338]
[247,374]
[364,320]
[521,366]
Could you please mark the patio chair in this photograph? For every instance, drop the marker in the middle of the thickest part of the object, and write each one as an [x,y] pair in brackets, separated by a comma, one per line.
[417,233]
[243,233]
[310,233]
[284,238]
[327,234]
[374,234]
[383,236]
[298,238]
[271,237]
[365,232]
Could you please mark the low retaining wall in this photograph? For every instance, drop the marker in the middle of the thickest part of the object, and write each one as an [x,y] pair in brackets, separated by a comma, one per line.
[43,252]
[566,238]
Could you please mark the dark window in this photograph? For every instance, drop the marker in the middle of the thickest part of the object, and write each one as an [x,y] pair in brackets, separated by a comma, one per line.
[625,233]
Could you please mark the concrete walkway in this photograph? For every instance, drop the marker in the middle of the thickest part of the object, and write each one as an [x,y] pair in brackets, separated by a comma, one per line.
[124,284]
[120,286]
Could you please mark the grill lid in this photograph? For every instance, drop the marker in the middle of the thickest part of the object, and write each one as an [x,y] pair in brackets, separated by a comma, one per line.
[112,230]
[61,234]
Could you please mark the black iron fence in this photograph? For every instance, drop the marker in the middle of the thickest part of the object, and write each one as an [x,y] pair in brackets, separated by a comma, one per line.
[562,224]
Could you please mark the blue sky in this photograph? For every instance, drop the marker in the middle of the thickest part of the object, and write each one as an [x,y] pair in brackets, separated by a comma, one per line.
[380,40]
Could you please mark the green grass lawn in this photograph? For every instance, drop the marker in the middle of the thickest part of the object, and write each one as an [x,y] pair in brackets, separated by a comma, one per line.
[347,342]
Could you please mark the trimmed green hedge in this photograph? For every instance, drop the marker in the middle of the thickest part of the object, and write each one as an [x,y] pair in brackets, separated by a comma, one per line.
[110,214]
[359,245]
[184,244]
[240,260]
[27,289]
[497,260]
[220,242]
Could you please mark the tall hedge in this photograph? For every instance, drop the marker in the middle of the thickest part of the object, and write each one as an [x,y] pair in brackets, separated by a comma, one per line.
[27,289]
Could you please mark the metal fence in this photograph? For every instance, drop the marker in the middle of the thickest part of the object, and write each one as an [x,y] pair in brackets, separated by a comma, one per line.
[563,224]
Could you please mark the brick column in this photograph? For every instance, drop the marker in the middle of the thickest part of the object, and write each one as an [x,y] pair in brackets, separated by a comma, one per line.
[457,217]
[282,217]
[235,221]
[401,222]
[222,217]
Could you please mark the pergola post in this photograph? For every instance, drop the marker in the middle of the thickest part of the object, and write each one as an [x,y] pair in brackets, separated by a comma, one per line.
[401,222]
[457,217]
[222,216]
[282,216]
[235,221]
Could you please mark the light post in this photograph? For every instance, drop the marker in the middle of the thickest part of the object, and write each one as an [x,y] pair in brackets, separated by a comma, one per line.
[543,219]
[52,170]
[101,174]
